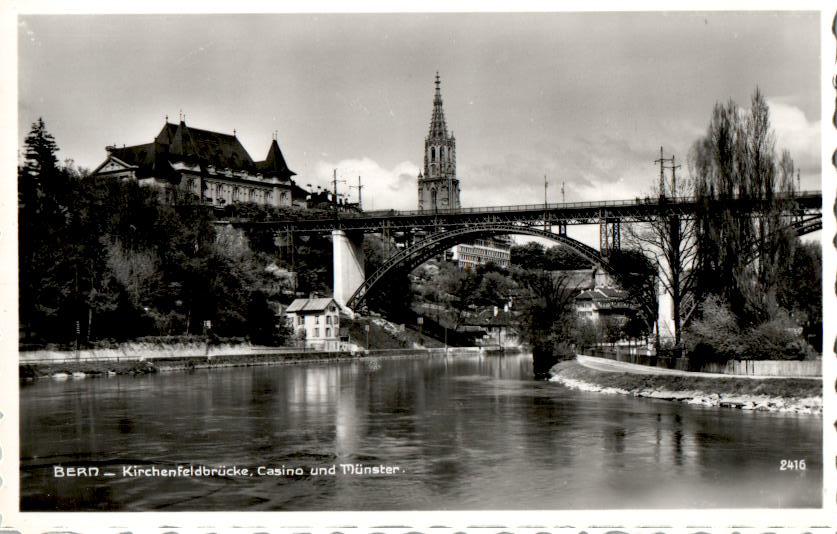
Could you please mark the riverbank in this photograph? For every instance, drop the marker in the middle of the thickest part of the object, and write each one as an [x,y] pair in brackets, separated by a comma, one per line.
[104,363]
[775,394]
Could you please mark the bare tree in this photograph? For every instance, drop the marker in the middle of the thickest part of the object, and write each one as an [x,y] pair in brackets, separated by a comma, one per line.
[669,242]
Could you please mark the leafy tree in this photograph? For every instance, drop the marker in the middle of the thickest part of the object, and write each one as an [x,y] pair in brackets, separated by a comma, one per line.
[736,159]
[800,291]
[547,313]
[637,274]
[561,258]
[457,289]
[529,256]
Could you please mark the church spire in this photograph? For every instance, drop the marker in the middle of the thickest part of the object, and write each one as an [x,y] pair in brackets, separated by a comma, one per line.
[438,128]
[438,185]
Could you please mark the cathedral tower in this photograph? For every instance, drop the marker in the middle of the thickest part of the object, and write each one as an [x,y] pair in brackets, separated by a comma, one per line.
[438,186]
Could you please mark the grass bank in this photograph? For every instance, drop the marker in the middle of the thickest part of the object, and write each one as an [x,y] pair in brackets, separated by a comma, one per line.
[775,394]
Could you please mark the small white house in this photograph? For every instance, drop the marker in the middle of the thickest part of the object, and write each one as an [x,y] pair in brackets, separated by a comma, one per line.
[317,321]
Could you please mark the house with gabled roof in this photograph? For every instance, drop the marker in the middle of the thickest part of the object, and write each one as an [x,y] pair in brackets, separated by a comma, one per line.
[316,321]
[599,302]
[214,167]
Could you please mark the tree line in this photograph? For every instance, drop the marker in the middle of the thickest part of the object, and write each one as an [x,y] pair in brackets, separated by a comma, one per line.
[106,260]
[743,268]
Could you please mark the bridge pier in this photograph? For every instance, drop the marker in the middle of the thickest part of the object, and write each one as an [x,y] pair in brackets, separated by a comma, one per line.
[347,253]
[610,234]
[665,313]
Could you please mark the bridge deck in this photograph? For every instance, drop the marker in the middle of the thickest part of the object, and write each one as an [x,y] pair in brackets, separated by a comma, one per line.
[569,213]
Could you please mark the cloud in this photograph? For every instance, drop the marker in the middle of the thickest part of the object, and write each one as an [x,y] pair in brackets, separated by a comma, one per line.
[383,188]
[797,134]
[612,169]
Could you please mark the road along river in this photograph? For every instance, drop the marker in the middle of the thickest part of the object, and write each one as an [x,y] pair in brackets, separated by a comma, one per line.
[457,432]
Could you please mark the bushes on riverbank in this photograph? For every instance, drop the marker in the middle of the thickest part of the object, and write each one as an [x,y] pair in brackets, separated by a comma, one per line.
[718,337]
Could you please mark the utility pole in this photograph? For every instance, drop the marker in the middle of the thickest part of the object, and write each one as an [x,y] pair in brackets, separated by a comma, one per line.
[545,203]
[334,194]
[674,177]
[563,198]
[359,196]
[662,161]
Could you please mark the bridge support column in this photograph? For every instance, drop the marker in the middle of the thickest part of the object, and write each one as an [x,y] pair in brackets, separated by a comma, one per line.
[610,235]
[665,313]
[347,251]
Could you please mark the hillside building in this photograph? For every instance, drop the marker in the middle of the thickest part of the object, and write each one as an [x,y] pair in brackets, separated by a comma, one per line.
[316,321]
[598,303]
[482,251]
[212,166]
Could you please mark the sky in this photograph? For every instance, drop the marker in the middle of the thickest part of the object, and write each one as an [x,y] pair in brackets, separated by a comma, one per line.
[585,99]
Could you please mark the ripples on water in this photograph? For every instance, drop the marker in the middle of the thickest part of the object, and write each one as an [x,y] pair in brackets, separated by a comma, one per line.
[469,432]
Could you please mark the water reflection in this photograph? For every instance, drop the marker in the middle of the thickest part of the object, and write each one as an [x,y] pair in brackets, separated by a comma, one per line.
[468,432]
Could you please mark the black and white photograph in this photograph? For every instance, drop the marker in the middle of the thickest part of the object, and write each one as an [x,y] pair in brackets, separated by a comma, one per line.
[413,262]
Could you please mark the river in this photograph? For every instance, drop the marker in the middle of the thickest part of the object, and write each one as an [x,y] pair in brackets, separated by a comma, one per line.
[455,432]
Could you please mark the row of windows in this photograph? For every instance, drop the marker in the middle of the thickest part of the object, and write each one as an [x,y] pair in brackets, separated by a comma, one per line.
[316,332]
[228,194]
[300,320]
[476,259]
[483,253]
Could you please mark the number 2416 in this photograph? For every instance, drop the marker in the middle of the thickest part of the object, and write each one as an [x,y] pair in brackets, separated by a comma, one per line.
[792,465]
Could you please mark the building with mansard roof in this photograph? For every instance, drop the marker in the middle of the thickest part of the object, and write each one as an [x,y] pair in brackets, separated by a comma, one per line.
[213,166]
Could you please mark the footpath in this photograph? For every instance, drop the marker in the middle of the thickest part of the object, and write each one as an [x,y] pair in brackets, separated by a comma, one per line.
[605,364]
[775,394]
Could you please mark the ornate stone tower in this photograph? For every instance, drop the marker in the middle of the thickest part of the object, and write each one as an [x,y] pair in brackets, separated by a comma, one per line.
[438,187]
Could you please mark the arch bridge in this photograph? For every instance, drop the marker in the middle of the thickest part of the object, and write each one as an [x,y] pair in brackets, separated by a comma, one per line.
[414,255]
[428,232]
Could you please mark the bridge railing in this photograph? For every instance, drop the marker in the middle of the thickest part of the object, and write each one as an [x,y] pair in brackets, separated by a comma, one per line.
[637,201]
[533,209]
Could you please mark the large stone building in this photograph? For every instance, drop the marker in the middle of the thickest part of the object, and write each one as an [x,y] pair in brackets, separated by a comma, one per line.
[438,186]
[213,166]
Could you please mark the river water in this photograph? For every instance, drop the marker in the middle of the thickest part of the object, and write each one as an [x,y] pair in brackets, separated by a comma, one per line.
[455,432]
